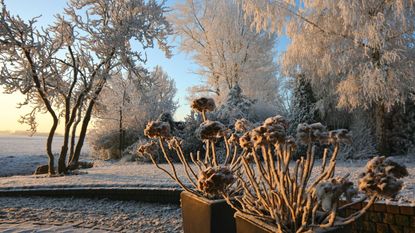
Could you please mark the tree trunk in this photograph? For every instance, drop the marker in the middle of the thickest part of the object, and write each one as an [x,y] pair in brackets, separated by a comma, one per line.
[64,149]
[84,128]
[382,143]
[121,135]
[48,105]
[72,161]
[51,162]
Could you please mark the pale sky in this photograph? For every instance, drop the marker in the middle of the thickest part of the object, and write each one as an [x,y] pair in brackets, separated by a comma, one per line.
[179,67]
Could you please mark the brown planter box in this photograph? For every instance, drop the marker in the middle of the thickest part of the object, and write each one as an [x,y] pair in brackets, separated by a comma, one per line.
[201,215]
[249,224]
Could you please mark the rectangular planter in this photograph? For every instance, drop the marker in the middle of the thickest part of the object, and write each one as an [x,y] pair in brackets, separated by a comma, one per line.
[249,224]
[201,215]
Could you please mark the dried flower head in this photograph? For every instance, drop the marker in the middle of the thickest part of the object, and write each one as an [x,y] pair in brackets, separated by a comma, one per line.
[215,180]
[276,120]
[290,141]
[243,125]
[203,104]
[155,129]
[149,148]
[233,139]
[258,136]
[245,141]
[328,192]
[340,136]
[312,133]
[381,177]
[211,130]
[272,131]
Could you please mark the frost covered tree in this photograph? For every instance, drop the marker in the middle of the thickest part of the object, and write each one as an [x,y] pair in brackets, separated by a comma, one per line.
[304,104]
[63,68]
[364,50]
[228,52]
[125,106]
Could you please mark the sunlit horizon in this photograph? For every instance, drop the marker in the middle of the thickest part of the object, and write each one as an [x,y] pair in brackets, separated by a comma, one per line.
[179,68]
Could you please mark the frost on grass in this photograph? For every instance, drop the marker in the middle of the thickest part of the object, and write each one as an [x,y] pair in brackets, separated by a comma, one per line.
[85,214]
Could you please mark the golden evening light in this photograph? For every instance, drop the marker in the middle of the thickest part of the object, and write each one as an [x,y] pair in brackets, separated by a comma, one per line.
[207,116]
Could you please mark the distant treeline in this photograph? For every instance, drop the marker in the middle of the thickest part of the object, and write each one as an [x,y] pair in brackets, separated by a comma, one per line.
[25,133]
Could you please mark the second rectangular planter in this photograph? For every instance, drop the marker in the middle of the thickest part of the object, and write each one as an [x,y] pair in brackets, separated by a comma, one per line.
[249,224]
[201,215]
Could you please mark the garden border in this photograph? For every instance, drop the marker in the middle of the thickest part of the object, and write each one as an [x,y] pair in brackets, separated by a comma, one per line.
[144,194]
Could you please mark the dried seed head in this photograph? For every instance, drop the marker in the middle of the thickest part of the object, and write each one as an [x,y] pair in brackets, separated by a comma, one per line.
[148,148]
[203,104]
[312,133]
[258,136]
[381,177]
[213,181]
[272,131]
[328,192]
[211,130]
[155,129]
[276,120]
[245,141]
[233,139]
[340,136]
[290,141]
[243,125]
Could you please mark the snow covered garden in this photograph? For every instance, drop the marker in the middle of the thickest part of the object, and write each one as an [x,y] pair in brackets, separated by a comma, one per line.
[302,111]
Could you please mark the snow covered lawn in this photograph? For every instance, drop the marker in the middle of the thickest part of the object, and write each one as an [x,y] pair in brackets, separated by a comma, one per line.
[41,214]
[102,174]
[106,174]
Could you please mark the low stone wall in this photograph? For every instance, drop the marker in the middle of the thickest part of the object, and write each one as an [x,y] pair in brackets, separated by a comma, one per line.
[159,195]
[383,218]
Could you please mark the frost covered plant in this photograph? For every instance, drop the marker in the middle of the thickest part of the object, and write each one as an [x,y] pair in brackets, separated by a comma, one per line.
[381,177]
[203,105]
[205,175]
[155,129]
[243,125]
[214,180]
[329,192]
[211,130]
[285,194]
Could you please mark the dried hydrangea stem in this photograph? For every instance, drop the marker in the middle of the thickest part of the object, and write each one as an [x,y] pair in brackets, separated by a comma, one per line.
[175,177]
[330,218]
[214,158]
[204,115]
[254,183]
[171,176]
[261,170]
[186,163]
[323,163]
[207,153]
[329,172]
[228,153]
[186,166]
[196,162]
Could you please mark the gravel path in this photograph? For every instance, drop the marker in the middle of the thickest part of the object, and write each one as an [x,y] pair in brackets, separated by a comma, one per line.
[39,214]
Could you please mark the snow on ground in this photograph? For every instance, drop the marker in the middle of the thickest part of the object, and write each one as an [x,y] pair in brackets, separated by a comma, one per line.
[20,155]
[103,174]
[39,214]
[107,174]
[20,165]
